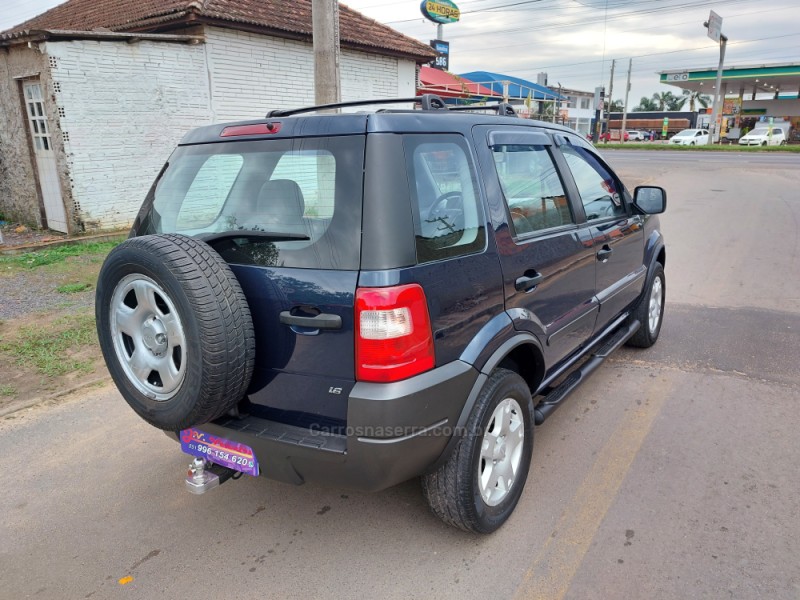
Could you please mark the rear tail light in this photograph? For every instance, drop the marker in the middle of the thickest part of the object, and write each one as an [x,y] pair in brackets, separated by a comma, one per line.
[393,333]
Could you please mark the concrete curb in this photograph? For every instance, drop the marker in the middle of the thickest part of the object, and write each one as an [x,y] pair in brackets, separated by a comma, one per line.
[23,404]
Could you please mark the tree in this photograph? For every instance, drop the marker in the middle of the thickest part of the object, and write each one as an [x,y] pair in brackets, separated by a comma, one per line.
[616,106]
[645,104]
[665,101]
[693,98]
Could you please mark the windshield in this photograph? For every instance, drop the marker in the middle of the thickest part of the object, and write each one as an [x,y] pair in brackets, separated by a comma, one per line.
[687,133]
[294,203]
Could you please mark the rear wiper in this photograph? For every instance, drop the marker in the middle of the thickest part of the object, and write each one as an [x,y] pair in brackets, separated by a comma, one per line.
[272,236]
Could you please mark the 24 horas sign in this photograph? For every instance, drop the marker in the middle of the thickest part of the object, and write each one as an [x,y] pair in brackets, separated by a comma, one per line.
[440,11]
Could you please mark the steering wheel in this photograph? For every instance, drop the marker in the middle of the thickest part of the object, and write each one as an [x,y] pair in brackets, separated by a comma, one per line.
[448,212]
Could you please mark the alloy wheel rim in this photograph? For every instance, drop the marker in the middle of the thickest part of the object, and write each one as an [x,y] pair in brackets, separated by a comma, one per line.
[148,337]
[654,309]
[501,452]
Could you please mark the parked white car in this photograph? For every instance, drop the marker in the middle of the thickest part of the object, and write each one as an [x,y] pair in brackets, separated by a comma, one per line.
[635,136]
[690,137]
[761,136]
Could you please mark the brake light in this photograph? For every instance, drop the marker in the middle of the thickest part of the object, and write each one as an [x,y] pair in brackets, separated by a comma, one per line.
[256,129]
[393,333]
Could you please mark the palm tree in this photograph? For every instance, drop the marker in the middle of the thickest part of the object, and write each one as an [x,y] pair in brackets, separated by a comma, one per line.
[645,105]
[693,97]
[664,100]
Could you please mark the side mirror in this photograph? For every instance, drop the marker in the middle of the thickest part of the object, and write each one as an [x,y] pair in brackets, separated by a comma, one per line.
[651,200]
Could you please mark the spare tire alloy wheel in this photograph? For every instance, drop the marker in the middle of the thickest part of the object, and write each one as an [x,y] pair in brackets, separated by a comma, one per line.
[479,485]
[148,337]
[175,330]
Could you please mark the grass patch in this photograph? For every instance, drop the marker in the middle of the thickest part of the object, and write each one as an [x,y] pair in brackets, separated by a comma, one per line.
[56,254]
[8,391]
[49,350]
[73,288]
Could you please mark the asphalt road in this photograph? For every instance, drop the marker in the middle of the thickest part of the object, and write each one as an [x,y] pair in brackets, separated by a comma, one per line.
[671,474]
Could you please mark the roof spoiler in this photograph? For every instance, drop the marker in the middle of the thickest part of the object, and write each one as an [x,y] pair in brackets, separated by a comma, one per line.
[426,101]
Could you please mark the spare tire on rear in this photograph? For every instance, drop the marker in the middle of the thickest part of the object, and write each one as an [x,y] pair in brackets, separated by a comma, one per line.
[175,330]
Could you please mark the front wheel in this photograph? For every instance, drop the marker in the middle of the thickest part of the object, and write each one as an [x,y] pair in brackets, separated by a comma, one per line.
[650,310]
[479,486]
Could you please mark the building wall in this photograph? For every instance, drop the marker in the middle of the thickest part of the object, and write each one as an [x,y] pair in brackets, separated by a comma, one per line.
[123,108]
[776,108]
[19,196]
[252,73]
[119,109]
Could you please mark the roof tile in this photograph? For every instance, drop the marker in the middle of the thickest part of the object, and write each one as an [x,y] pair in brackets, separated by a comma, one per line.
[292,17]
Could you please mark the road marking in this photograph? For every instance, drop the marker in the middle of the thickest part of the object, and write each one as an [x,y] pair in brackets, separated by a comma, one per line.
[554,568]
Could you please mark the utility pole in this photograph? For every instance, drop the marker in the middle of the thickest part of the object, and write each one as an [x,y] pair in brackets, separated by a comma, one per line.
[325,29]
[714,25]
[608,102]
[625,105]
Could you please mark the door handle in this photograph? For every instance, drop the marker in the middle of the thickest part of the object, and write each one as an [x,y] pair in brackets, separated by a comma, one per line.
[528,281]
[604,253]
[320,321]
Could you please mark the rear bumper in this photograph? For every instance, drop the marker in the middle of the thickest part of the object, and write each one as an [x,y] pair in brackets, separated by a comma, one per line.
[394,432]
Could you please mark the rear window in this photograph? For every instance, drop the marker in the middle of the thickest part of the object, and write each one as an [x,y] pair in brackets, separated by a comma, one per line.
[279,203]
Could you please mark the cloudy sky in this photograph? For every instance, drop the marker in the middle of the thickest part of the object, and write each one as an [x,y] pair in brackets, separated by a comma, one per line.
[574,41]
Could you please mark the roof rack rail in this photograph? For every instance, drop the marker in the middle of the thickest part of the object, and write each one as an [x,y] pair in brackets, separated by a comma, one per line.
[428,102]
[503,109]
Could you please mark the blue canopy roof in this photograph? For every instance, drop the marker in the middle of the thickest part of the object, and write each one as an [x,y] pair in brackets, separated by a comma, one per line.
[517,88]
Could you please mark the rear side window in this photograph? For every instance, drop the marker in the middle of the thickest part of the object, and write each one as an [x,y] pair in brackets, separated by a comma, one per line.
[533,191]
[448,219]
[290,203]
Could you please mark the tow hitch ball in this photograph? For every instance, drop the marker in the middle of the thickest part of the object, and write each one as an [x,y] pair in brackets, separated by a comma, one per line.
[204,476]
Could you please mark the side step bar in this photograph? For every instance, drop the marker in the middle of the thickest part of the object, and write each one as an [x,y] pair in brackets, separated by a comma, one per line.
[556,396]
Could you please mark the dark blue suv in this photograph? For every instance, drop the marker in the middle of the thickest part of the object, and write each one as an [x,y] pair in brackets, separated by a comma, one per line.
[359,299]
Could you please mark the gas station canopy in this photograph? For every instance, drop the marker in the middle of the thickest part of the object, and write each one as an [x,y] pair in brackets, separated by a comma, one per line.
[783,79]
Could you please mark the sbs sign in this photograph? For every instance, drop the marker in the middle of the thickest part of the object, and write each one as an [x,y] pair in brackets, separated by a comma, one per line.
[440,11]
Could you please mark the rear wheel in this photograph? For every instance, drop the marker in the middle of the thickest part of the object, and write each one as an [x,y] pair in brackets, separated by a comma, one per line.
[175,330]
[479,486]
[650,310]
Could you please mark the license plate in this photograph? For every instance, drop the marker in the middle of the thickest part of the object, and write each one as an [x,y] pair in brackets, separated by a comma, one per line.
[226,453]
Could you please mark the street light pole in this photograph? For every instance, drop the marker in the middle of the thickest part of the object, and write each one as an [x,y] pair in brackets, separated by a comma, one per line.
[714,25]
[325,26]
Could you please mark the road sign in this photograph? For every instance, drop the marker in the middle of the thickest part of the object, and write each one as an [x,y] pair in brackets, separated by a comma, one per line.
[714,26]
[442,60]
[440,11]
[664,127]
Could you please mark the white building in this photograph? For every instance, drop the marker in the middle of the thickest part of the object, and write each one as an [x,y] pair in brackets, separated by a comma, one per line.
[94,94]
[580,111]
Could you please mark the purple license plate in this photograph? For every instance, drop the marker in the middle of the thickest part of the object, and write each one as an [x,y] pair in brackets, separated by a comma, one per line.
[226,453]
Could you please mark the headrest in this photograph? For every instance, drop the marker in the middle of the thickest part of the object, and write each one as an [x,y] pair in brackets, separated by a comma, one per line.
[281,198]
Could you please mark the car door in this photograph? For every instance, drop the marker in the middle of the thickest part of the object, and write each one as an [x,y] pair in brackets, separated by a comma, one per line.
[546,255]
[617,233]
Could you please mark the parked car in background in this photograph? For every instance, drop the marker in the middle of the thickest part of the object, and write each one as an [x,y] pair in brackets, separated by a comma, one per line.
[764,136]
[636,136]
[690,137]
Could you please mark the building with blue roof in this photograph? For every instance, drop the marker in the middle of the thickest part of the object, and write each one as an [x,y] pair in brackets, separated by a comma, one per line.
[517,88]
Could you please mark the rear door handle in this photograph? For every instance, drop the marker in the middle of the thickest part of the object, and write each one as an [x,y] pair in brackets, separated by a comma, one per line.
[604,253]
[320,321]
[528,281]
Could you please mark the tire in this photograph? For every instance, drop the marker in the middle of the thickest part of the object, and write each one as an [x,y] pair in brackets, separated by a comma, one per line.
[650,310]
[460,492]
[175,330]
